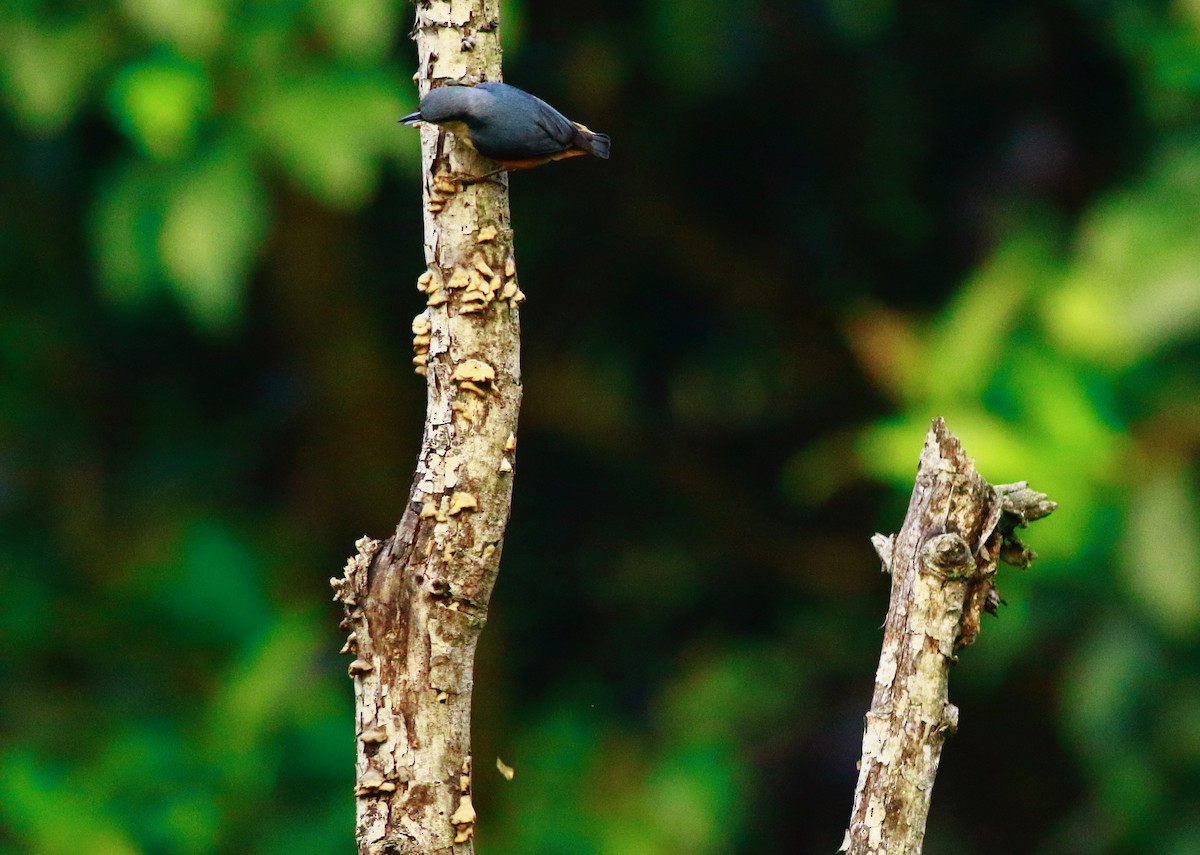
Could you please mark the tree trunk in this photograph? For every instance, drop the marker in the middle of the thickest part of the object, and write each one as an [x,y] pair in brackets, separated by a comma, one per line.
[415,603]
[943,566]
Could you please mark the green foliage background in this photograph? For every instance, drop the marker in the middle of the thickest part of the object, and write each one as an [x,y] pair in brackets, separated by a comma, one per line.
[824,223]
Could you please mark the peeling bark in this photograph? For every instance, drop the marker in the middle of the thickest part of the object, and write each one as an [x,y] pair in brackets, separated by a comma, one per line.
[943,566]
[416,602]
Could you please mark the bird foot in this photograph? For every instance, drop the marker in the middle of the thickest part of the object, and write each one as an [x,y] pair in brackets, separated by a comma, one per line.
[492,177]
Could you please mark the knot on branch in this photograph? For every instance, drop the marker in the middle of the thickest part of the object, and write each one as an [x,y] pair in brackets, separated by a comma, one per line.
[947,556]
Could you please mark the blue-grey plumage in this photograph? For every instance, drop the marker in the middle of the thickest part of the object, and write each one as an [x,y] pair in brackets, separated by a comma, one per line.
[507,124]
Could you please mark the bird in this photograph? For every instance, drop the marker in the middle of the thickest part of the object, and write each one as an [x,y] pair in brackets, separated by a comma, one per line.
[507,125]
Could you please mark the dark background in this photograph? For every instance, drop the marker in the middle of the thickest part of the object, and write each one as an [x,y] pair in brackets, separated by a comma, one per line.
[823,224]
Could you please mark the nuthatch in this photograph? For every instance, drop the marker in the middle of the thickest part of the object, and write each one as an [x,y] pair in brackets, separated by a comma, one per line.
[507,125]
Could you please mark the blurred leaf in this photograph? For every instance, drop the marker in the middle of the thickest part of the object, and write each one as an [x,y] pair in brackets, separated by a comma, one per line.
[1062,412]
[258,697]
[130,776]
[1177,60]
[1166,49]
[890,348]
[159,104]
[1162,551]
[1134,283]
[730,697]
[546,808]
[310,833]
[967,342]
[330,131]
[1177,727]
[1107,682]
[193,27]
[191,823]
[212,228]
[361,30]
[53,814]
[195,227]
[125,225]
[1184,838]
[212,590]
[45,68]
[817,471]
[27,610]
[1111,694]
[1133,793]
[694,799]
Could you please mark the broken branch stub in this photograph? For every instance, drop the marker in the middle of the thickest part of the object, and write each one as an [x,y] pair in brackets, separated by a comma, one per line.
[943,566]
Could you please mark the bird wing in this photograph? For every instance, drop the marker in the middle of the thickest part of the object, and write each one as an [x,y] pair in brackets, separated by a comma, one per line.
[525,126]
[559,130]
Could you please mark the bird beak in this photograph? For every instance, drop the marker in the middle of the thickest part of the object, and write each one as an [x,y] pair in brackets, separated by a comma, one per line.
[412,119]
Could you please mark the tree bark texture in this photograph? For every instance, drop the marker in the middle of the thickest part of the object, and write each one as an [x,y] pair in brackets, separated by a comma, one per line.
[416,602]
[943,566]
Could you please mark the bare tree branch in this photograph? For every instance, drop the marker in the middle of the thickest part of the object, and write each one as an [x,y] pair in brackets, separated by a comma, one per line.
[415,603]
[943,566]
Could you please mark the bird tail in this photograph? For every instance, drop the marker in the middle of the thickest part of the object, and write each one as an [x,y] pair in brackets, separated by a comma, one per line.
[598,145]
[592,142]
